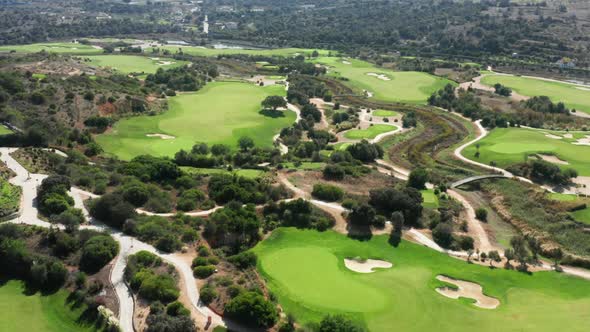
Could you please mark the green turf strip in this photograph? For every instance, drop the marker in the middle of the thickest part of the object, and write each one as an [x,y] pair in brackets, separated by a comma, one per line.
[384,113]
[134,63]
[305,269]
[71,48]
[507,146]
[574,97]
[430,199]
[221,112]
[23,312]
[370,132]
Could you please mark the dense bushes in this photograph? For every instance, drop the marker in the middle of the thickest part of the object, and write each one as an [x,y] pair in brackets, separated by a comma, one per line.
[234,226]
[365,151]
[298,213]
[408,201]
[327,192]
[53,196]
[252,309]
[165,235]
[149,168]
[112,209]
[244,260]
[224,188]
[97,252]
[149,276]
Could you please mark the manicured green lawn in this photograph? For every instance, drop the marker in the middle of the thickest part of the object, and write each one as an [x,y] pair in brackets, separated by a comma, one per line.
[247,173]
[430,199]
[53,48]
[20,312]
[571,95]
[221,112]
[402,86]
[563,197]
[385,113]
[4,130]
[370,132]
[202,51]
[134,63]
[582,215]
[507,146]
[305,269]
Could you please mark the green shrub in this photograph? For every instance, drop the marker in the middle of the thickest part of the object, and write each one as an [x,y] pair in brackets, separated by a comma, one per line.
[327,192]
[203,272]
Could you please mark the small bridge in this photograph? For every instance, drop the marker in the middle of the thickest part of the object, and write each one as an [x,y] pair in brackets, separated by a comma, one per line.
[479,178]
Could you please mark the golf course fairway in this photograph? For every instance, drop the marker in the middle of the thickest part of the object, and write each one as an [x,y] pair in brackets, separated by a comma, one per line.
[134,63]
[573,96]
[221,112]
[203,51]
[384,84]
[370,132]
[305,269]
[70,48]
[507,146]
[47,313]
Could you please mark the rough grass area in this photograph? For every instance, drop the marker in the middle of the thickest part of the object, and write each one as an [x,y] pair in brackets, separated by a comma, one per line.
[202,51]
[134,63]
[573,96]
[20,311]
[9,198]
[370,132]
[71,48]
[247,173]
[305,269]
[407,86]
[507,146]
[221,112]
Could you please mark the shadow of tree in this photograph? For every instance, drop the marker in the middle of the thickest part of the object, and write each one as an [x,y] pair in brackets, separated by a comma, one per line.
[272,113]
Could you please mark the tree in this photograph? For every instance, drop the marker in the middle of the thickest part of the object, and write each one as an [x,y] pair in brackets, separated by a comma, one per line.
[442,234]
[418,178]
[481,214]
[535,247]
[251,308]
[397,220]
[97,252]
[327,192]
[338,323]
[245,143]
[362,215]
[365,151]
[518,244]
[557,255]
[494,256]
[509,255]
[274,102]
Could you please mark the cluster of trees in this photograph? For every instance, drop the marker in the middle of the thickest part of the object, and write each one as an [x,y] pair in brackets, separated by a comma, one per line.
[185,78]
[144,272]
[341,164]
[406,200]
[298,213]
[224,188]
[164,235]
[544,172]
[543,104]
[303,87]
[327,192]
[502,90]
[234,227]
[253,309]
[52,195]
[204,264]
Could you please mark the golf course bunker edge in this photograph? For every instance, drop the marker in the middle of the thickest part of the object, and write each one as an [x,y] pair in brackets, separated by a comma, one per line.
[468,290]
[365,265]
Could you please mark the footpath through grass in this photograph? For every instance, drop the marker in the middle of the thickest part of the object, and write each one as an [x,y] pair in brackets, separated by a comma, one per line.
[305,269]
[71,48]
[221,112]
[385,84]
[134,63]
[23,312]
[573,96]
[507,146]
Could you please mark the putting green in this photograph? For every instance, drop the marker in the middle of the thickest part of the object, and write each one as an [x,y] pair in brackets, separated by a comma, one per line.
[202,51]
[507,146]
[51,313]
[71,48]
[370,132]
[430,199]
[384,113]
[221,112]
[305,269]
[386,85]
[573,96]
[134,63]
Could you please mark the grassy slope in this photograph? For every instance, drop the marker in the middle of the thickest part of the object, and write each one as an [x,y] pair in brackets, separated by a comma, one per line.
[201,51]
[133,63]
[572,96]
[370,132]
[221,112]
[508,146]
[406,86]
[53,48]
[305,270]
[20,312]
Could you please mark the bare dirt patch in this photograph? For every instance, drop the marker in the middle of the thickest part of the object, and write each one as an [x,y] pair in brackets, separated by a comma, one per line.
[552,159]
[366,266]
[468,290]
[162,136]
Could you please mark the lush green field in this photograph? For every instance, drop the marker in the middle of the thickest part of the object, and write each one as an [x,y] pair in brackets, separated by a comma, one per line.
[305,269]
[430,199]
[53,48]
[384,113]
[247,173]
[23,312]
[370,132]
[134,63]
[582,215]
[571,95]
[563,197]
[507,146]
[405,86]
[202,51]
[4,130]
[221,112]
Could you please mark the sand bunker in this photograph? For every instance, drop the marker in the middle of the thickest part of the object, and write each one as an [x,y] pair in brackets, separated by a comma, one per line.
[162,136]
[583,141]
[568,136]
[552,159]
[553,136]
[346,62]
[365,266]
[165,63]
[468,290]
[380,76]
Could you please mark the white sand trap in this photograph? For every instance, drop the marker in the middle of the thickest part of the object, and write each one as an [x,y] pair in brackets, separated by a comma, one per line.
[553,136]
[366,266]
[162,136]
[380,76]
[346,62]
[553,159]
[583,141]
[468,290]
[568,136]
[155,59]
[369,93]
[165,63]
